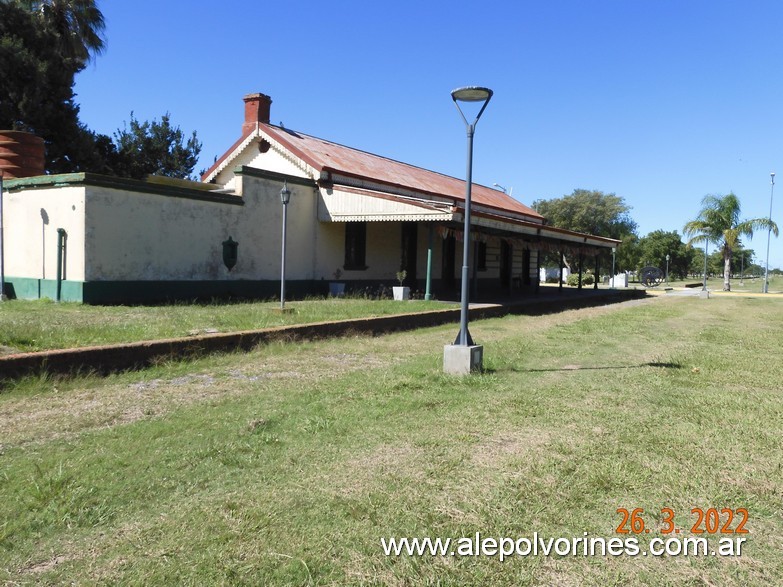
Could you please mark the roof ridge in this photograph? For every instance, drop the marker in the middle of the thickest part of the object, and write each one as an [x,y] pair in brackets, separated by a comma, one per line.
[365,152]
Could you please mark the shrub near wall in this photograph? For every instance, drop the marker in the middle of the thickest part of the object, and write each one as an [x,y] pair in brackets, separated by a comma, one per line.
[587,279]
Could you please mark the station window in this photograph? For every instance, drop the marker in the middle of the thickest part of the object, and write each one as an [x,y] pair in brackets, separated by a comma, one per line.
[355,245]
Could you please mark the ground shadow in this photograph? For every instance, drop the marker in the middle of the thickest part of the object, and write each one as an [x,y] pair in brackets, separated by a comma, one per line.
[659,364]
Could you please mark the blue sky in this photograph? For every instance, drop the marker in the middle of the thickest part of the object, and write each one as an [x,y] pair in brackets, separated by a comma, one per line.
[658,101]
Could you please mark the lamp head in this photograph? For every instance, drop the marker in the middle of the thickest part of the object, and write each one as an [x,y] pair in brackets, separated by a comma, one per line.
[285,194]
[471,94]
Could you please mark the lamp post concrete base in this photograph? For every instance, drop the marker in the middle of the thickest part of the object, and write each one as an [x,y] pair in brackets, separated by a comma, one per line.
[704,294]
[461,359]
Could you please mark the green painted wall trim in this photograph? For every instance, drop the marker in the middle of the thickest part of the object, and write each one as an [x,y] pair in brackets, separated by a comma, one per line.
[197,191]
[140,292]
[135,292]
[28,288]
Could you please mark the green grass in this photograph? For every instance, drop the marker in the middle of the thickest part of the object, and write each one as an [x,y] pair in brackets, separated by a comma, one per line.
[747,285]
[41,324]
[286,466]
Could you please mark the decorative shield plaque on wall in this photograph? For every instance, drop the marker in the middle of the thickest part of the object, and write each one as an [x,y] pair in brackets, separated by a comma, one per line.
[230,247]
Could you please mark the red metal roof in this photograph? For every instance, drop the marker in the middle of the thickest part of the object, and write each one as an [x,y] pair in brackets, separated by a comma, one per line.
[327,157]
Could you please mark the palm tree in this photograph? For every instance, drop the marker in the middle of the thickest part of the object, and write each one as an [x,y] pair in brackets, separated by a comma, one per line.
[719,222]
[77,24]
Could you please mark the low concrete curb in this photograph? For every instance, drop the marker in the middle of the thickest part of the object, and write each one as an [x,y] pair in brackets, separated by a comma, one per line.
[122,357]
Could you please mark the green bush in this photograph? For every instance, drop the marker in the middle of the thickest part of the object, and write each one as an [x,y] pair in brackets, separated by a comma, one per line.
[587,279]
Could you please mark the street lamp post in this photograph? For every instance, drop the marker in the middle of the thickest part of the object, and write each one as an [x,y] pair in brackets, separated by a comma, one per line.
[472,358]
[614,250]
[742,268]
[667,269]
[706,245]
[285,197]
[769,230]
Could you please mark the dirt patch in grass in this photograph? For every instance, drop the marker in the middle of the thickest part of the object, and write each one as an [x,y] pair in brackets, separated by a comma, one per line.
[45,566]
[494,452]
[362,474]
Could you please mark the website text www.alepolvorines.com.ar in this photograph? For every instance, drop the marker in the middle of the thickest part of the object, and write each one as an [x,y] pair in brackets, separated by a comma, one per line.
[586,546]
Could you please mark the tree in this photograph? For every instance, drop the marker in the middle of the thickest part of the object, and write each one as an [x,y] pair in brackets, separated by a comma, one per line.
[697,261]
[154,148]
[719,222]
[742,262]
[654,247]
[591,212]
[628,254]
[76,25]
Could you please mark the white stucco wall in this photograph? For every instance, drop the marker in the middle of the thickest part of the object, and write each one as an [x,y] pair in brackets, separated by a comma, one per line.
[142,236]
[129,234]
[30,222]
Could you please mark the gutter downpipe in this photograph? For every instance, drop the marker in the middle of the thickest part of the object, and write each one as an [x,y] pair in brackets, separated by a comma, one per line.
[62,236]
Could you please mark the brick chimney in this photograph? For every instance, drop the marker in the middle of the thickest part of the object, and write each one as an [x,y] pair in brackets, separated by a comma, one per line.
[257,107]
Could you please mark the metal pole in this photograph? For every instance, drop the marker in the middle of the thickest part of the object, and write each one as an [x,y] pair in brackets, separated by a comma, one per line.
[61,236]
[282,260]
[742,268]
[769,230]
[614,250]
[706,245]
[667,270]
[469,94]
[538,270]
[427,290]
[2,251]
[464,336]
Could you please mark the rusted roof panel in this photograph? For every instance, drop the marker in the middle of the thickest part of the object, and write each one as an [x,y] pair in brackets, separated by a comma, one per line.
[325,156]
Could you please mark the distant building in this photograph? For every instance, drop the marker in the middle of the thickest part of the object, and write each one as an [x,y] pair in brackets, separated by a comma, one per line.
[353,217]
